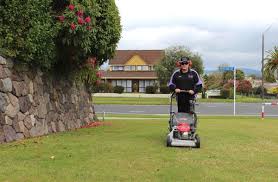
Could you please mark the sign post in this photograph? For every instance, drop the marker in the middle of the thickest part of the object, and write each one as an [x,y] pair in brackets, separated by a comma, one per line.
[232,69]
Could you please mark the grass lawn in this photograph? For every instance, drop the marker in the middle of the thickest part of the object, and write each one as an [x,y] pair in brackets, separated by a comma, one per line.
[165,101]
[232,149]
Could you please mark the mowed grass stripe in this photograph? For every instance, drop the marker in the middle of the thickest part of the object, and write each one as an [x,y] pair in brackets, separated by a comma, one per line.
[232,149]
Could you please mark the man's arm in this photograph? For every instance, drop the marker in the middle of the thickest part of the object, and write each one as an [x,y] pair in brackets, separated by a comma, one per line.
[198,83]
[172,83]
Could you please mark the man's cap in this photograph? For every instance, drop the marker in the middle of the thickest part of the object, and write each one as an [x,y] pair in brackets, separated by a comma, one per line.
[184,59]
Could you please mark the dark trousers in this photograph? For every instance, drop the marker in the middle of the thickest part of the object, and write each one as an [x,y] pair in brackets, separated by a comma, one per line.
[183,100]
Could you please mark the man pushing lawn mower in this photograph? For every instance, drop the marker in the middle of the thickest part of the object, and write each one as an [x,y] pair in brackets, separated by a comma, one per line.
[185,84]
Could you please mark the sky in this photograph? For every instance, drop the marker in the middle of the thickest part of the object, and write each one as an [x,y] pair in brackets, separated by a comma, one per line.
[221,31]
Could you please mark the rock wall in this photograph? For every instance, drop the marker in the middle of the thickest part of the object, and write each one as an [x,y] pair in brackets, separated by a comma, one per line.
[32,104]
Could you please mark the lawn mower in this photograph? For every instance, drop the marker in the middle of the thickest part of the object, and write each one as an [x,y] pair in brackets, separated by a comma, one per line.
[182,127]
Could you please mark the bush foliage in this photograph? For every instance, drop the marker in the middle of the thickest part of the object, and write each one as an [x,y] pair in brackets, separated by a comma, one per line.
[72,36]
[164,89]
[244,87]
[150,89]
[118,89]
[28,31]
[103,88]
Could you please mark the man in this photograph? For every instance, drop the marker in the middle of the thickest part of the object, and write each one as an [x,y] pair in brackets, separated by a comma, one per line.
[185,79]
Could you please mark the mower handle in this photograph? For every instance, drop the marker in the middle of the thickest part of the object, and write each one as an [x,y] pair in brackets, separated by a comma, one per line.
[185,91]
[181,91]
[173,95]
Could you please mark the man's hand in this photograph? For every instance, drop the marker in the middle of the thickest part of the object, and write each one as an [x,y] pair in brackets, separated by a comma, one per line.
[177,90]
[191,92]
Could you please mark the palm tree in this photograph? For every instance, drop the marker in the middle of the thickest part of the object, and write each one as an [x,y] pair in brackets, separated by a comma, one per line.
[271,66]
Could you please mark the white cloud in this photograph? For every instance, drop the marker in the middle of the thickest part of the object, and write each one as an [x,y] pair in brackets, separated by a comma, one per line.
[219,30]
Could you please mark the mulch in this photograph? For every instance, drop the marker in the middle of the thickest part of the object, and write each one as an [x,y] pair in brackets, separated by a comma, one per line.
[96,124]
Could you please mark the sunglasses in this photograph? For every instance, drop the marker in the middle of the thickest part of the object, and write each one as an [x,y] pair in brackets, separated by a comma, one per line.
[184,63]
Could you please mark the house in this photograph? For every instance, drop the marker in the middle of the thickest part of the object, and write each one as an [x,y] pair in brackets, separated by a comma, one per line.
[133,69]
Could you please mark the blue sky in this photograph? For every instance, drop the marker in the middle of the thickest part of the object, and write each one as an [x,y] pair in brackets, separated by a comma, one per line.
[222,31]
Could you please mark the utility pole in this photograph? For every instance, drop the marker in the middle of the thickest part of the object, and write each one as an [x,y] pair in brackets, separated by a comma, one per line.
[263,58]
[263,67]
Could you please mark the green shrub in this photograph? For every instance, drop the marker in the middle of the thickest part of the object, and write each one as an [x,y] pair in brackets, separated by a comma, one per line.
[164,89]
[150,89]
[118,89]
[72,37]
[108,30]
[258,90]
[76,33]
[103,88]
[227,93]
[107,88]
[244,87]
[28,32]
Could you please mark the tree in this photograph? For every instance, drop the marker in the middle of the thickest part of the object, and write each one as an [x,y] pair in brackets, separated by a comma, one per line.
[244,86]
[229,75]
[271,66]
[167,65]
[253,76]
[205,82]
[258,90]
[108,30]
[215,81]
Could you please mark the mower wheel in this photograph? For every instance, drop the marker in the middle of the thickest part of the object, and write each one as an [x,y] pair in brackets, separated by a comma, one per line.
[168,142]
[198,141]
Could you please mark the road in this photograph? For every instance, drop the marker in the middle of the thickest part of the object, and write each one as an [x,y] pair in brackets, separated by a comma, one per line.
[244,109]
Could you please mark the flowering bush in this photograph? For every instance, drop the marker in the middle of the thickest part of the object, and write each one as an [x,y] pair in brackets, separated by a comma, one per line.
[244,86]
[60,35]
[76,32]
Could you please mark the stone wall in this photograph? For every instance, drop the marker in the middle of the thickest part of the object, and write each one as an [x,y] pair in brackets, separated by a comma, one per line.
[33,104]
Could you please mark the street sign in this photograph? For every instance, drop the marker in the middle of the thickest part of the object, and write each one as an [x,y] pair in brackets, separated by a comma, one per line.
[227,68]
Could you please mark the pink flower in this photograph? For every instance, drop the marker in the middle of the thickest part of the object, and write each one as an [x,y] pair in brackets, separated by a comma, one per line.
[71,7]
[80,13]
[98,74]
[88,28]
[61,18]
[72,26]
[91,61]
[80,21]
[88,19]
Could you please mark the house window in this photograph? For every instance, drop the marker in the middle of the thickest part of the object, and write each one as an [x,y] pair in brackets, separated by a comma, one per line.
[128,86]
[144,83]
[117,68]
[124,83]
[145,68]
[130,68]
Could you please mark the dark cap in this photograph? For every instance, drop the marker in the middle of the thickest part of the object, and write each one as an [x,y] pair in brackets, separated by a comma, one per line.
[184,59]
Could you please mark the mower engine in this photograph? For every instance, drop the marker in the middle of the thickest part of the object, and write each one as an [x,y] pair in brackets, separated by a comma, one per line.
[183,130]
[183,126]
